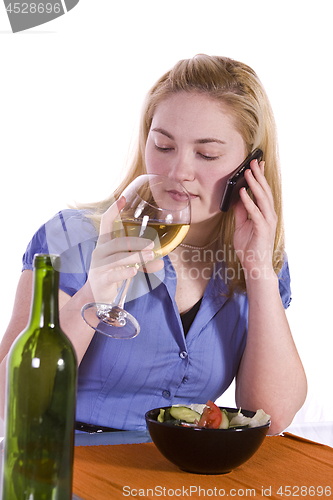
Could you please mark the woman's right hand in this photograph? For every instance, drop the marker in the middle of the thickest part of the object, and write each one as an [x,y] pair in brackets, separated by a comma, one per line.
[113,260]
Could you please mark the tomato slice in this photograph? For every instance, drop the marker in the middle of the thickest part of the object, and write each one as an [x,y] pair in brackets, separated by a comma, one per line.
[211,417]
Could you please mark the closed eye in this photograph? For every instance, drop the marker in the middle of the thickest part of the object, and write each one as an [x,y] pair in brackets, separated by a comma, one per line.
[162,149]
[208,158]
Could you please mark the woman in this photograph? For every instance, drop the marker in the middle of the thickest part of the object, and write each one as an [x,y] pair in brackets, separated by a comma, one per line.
[216,307]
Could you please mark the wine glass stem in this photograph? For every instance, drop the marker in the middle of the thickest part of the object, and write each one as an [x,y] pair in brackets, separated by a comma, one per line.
[120,299]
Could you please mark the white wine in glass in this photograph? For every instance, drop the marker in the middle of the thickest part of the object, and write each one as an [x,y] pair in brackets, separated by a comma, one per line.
[166,237]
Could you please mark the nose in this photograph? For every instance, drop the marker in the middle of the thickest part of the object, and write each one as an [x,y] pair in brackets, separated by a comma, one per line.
[182,169]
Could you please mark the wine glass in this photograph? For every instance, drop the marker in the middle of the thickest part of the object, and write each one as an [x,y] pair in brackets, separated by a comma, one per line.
[157,208]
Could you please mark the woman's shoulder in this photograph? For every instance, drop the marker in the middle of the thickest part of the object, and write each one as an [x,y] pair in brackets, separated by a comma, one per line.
[67,230]
[76,223]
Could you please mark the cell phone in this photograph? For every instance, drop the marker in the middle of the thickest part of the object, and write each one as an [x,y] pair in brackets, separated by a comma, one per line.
[237,180]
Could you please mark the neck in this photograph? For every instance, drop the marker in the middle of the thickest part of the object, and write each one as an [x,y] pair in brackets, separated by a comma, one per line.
[202,235]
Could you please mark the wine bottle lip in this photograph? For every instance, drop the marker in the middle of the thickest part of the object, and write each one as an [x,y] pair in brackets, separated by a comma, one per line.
[42,260]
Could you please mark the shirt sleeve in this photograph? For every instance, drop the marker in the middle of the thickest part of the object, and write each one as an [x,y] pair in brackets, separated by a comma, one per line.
[72,236]
[284,284]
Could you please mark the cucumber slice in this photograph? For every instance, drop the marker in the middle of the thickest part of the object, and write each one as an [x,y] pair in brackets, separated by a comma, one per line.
[167,415]
[160,417]
[225,421]
[184,413]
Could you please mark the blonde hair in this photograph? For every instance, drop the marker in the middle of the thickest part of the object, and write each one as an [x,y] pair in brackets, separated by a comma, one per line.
[236,86]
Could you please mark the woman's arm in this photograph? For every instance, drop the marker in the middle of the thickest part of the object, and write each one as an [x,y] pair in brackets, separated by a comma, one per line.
[112,261]
[270,375]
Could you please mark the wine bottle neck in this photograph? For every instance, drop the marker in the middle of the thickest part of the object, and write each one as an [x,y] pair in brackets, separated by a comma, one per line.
[45,307]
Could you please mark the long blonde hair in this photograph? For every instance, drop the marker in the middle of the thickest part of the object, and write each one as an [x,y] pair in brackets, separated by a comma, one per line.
[236,86]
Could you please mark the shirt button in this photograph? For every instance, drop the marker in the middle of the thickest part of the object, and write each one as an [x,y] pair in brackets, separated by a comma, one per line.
[183,354]
[166,394]
[185,380]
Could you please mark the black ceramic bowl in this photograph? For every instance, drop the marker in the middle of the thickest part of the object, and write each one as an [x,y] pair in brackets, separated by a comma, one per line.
[205,451]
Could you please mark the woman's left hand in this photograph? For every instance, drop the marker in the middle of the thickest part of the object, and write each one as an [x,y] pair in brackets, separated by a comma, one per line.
[255,224]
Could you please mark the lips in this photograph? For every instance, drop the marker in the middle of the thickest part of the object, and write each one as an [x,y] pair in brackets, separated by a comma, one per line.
[180,196]
[177,195]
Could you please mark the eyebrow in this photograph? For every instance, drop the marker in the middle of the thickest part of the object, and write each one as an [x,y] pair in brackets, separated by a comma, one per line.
[209,139]
[198,141]
[163,132]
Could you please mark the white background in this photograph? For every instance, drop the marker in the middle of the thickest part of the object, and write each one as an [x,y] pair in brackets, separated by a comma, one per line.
[70,96]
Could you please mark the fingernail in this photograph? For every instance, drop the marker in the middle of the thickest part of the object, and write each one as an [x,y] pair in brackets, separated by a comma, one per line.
[148,256]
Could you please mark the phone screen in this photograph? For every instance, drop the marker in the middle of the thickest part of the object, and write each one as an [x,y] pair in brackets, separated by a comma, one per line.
[236,181]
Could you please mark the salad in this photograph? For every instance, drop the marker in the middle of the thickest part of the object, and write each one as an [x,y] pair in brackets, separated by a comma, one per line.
[210,416]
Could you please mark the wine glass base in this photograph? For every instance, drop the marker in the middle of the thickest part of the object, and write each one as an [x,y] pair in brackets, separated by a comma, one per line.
[112,321]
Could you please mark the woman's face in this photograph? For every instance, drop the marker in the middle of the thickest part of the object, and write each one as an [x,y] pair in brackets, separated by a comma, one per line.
[193,139]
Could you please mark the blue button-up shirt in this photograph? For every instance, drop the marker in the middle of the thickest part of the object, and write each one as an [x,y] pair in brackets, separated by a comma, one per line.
[119,380]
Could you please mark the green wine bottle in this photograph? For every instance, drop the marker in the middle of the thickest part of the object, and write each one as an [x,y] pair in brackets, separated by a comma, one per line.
[40,399]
